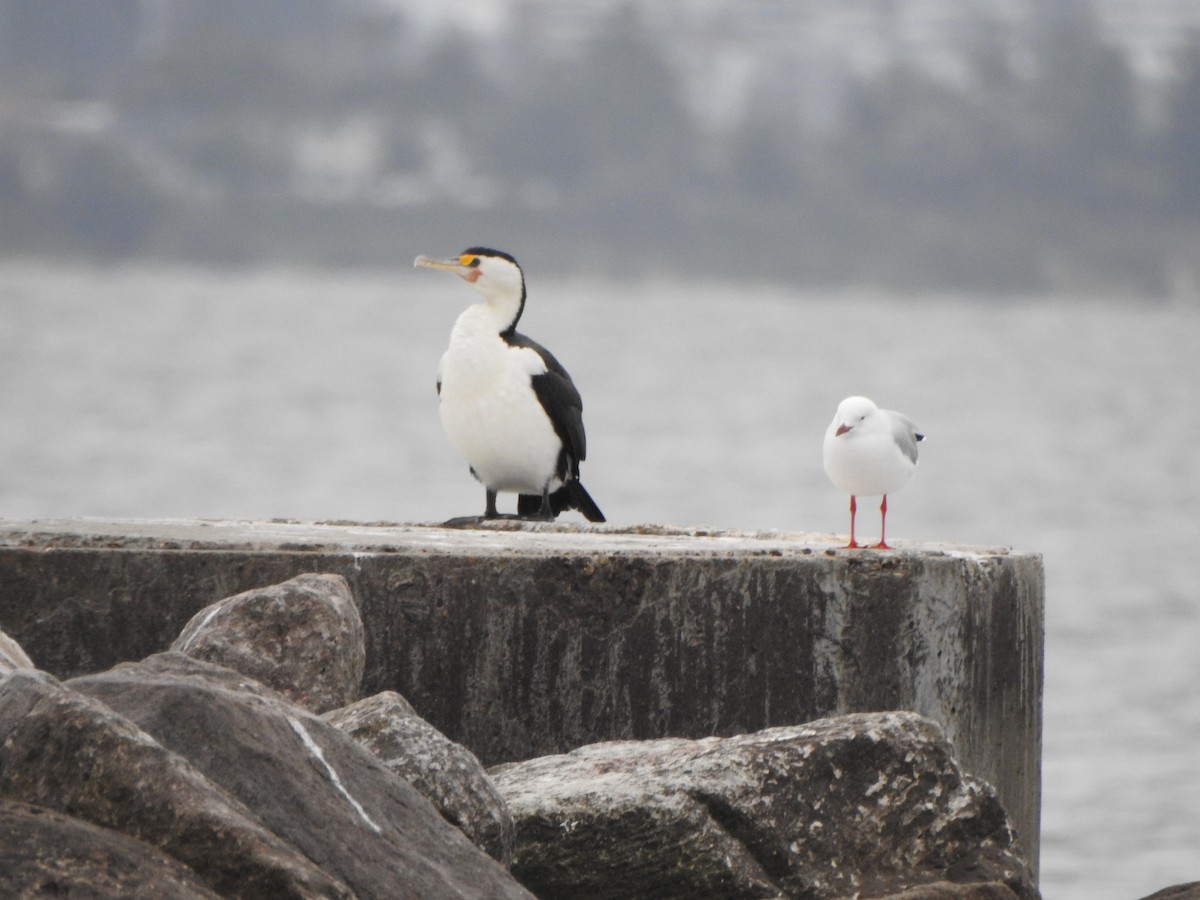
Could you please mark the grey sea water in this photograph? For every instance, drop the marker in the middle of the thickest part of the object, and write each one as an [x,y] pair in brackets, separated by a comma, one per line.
[1063,426]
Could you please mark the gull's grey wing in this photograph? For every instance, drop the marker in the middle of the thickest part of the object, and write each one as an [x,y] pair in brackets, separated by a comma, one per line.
[905,434]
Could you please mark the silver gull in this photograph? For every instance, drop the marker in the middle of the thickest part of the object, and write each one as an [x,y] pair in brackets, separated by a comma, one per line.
[870,452]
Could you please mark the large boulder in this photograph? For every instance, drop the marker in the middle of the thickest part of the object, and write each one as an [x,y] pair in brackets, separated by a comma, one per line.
[447,774]
[304,779]
[866,805]
[302,637]
[71,753]
[12,656]
[46,854]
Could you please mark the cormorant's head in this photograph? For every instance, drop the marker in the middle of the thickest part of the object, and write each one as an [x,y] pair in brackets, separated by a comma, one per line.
[493,273]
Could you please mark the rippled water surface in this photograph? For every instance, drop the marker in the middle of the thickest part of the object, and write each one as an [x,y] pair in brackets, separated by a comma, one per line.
[1064,427]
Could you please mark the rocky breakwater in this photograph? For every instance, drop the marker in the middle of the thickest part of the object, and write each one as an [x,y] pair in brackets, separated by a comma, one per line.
[523,640]
[178,777]
[863,805]
[242,763]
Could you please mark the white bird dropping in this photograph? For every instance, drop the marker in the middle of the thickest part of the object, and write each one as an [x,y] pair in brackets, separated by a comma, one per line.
[870,452]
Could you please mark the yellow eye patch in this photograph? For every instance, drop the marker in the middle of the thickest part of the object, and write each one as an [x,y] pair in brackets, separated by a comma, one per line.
[469,260]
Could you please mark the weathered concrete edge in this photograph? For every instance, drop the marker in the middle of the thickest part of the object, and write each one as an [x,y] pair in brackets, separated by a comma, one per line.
[502,536]
[346,546]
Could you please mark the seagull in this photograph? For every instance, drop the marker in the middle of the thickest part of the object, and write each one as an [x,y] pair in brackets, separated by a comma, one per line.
[507,404]
[870,452]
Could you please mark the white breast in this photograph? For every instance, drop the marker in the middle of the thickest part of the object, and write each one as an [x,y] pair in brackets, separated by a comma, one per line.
[867,464]
[490,412]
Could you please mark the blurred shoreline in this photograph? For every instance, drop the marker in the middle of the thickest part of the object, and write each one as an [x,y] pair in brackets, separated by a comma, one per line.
[933,148]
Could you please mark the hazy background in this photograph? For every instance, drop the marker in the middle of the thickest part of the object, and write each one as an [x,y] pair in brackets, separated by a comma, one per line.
[994,145]
[732,215]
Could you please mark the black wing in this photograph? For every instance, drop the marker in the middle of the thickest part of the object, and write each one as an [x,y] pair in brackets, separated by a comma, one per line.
[559,397]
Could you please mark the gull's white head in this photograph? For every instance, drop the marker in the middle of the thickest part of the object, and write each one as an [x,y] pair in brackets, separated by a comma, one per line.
[852,413]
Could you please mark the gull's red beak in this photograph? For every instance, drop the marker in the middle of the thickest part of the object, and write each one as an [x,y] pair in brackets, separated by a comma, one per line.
[841,429]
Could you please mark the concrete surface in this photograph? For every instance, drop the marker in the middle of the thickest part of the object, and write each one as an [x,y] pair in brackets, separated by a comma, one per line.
[523,640]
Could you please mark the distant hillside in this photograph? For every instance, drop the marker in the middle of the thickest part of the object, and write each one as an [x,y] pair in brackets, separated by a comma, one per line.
[1024,154]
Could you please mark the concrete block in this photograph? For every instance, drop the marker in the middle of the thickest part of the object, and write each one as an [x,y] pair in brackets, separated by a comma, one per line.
[526,640]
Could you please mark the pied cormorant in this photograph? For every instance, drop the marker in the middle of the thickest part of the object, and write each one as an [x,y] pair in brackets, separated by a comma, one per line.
[507,404]
[870,452]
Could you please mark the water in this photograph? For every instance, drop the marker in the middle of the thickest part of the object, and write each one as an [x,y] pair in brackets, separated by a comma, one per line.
[1068,428]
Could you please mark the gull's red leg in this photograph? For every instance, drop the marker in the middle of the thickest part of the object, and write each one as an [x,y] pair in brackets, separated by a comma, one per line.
[853,545]
[882,545]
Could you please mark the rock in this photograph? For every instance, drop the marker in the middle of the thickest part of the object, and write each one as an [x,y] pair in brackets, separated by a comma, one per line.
[948,890]
[865,805]
[71,753]
[303,637]
[522,639]
[12,656]
[45,854]
[304,779]
[447,774]
[1189,891]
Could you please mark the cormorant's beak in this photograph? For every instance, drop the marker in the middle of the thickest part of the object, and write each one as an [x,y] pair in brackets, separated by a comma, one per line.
[842,429]
[453,264]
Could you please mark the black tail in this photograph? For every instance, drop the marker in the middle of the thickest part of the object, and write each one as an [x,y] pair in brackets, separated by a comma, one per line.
[570,496]
[578,498]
